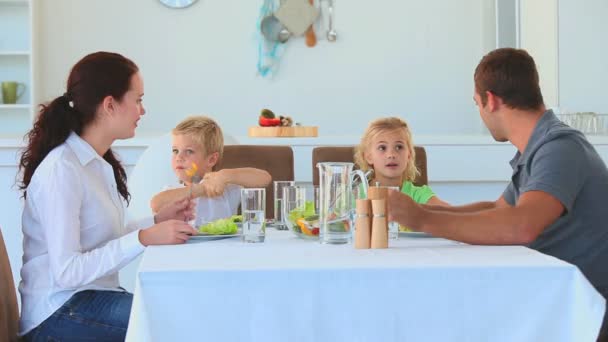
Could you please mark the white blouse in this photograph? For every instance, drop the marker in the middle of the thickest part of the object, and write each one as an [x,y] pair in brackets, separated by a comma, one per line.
[74,236]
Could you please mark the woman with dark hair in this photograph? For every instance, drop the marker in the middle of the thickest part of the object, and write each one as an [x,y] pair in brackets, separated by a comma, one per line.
[75,190]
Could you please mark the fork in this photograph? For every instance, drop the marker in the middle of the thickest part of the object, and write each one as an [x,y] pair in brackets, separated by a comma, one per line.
[194,178]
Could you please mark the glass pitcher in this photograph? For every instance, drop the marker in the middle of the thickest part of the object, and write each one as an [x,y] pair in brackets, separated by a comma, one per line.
[336,200]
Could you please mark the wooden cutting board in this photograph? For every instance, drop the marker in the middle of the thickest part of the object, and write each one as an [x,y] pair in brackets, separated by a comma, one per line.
[285,132]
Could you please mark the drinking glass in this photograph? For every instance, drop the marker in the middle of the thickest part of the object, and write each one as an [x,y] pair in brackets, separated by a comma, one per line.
[279,221]
[253,207]
[393,227]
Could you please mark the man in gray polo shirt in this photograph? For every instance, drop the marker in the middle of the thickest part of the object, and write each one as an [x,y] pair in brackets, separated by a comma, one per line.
[556,200]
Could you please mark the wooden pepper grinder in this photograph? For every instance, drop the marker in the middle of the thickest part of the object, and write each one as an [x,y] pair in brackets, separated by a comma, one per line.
[363,224]
[377,192]
[379,224]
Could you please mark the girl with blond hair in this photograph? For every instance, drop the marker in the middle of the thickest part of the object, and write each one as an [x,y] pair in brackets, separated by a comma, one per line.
[387,148]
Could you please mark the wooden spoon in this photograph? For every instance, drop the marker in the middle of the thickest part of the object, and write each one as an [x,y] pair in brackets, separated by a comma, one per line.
[311,39]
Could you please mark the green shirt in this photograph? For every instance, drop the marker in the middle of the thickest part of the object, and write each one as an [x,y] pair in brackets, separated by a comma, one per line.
[420,194]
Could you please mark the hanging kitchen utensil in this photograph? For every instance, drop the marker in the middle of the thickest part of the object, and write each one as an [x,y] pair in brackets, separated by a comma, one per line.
[273,30]
[297,16]
[270,49]
[311,39]
[332,35]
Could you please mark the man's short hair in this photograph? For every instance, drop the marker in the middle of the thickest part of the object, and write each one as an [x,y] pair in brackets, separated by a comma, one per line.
[511,75]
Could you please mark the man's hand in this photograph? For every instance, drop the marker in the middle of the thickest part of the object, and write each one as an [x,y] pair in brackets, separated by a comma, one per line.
[182,210]
[402,209]
[169,232]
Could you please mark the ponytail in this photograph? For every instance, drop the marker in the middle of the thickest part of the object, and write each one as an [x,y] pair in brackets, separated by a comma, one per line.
[51,129]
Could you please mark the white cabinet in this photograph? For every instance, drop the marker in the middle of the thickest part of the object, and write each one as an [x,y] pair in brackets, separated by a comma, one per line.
[16,64]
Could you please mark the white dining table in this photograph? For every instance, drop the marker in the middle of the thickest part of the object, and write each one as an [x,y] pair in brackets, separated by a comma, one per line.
[419,289]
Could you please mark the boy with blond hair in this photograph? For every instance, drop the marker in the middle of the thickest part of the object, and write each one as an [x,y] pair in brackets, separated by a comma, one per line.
[197,146]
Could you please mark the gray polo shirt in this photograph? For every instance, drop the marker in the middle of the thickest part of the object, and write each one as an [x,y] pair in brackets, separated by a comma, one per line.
[561,162]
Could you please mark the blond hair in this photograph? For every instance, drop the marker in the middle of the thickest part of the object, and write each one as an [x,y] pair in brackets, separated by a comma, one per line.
[383,126]
[204,131]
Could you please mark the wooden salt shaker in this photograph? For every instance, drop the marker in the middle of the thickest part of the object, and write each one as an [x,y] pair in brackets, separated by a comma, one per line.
[379,224]
[363,224]
[377,192]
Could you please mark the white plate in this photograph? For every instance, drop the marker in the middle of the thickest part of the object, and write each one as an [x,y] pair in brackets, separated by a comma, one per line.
[415,234]
[209,237]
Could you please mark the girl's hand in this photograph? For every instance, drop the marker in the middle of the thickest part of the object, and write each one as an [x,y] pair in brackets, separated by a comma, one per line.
[183,210]
[169,232]
[213,184]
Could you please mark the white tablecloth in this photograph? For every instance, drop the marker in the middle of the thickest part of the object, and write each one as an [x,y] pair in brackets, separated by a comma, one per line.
[420,289]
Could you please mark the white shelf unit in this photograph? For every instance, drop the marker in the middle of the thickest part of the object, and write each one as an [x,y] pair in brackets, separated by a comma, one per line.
[15,53]
[16,63]
[15,106]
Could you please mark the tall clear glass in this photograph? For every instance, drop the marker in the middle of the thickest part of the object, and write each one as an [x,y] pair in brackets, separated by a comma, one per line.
[279,221]
[253,207]
[393,226]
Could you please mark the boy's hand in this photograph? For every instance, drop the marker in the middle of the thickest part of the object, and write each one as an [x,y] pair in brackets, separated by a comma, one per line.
[213,184]
[183,210]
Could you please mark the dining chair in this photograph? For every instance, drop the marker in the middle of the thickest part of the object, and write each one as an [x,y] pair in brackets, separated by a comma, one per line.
[603,336]
[277,160]
[9,311]
[346,154]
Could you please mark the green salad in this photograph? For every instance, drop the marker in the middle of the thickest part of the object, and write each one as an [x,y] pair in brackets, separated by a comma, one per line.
[301,212]
[222,226]
[304,220]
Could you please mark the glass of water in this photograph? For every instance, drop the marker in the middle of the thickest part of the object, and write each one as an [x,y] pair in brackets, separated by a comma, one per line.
[253,207]
[279,223]
[393,227]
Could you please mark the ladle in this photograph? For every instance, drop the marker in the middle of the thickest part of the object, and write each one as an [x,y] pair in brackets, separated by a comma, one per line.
[332,35]
[273,30]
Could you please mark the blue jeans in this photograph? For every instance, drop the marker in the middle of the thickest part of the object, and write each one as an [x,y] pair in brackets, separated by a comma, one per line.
[87,316]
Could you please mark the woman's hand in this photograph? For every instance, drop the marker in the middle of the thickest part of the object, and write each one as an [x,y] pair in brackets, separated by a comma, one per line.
[213,184]
[169,232]
[183,210]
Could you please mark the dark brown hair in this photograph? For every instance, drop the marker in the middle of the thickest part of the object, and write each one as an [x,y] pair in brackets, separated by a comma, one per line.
[511,75]
[94,77]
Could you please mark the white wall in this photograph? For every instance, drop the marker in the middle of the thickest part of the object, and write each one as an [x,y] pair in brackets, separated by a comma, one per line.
[583,55]
[539,36]
[395,57]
